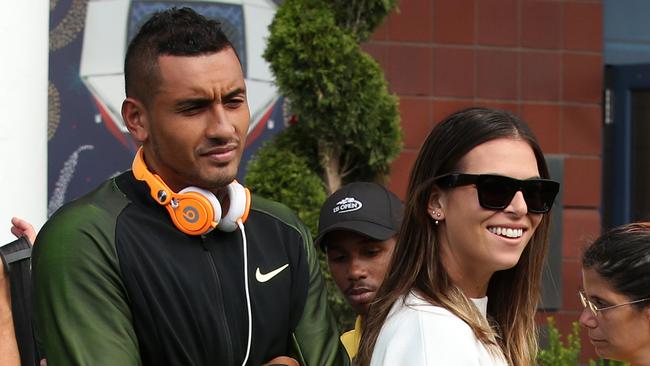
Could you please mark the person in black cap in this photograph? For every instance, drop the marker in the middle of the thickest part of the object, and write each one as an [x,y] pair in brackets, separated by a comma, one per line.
[358,228]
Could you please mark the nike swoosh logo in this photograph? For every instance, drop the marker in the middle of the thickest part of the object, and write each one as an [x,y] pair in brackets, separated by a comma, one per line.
[267,276]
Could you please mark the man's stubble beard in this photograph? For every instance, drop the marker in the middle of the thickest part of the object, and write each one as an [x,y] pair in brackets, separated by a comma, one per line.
[193,177]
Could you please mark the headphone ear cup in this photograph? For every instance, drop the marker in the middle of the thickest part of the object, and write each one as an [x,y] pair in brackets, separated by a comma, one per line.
[240,201]
[198,211]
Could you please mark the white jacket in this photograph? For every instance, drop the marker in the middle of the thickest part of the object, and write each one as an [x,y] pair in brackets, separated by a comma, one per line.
[417,333]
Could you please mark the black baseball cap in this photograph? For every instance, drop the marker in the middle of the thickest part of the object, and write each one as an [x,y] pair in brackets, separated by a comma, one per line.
[365,208]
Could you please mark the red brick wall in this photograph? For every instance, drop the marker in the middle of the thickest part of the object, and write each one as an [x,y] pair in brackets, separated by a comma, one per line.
[541,59]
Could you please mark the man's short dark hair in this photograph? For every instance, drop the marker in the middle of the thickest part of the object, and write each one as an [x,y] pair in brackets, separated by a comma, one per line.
[174,32]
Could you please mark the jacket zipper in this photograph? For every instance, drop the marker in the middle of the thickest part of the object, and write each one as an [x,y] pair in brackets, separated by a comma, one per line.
[221,313]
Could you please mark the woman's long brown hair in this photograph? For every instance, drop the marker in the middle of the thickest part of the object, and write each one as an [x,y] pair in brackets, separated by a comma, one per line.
[417,266]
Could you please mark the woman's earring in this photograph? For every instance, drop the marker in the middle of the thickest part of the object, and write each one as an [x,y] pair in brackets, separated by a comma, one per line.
[436,214]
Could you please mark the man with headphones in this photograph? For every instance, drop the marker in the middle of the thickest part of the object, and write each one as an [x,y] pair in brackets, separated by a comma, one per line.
[173,262]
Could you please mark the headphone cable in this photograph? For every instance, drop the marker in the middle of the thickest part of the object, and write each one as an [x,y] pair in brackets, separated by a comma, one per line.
[248,295]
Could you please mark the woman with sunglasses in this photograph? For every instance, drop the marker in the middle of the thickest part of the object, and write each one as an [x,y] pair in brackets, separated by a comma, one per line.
[616,296]
[474,228]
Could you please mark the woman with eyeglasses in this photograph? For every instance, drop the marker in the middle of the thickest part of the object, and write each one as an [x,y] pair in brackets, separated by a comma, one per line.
[463,284]
[616,295]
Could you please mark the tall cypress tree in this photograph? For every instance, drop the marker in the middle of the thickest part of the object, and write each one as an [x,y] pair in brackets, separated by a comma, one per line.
[347,126]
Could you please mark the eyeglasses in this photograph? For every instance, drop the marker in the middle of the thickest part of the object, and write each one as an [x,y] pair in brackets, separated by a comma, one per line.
[495,192]
[586,303]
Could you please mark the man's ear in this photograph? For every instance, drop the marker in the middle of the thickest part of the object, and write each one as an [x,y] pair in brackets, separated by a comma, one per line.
[437,204]
[135,118]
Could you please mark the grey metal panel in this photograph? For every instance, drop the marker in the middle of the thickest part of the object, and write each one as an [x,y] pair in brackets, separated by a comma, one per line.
[552,277]
[626,33]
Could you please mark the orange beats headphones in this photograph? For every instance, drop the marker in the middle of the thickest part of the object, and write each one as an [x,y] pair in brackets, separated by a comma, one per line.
[194,210]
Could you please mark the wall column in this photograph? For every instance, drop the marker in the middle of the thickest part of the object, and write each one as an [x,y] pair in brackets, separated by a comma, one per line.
[24,34]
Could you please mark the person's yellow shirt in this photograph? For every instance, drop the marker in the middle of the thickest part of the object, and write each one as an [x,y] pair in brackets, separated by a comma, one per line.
[351,339]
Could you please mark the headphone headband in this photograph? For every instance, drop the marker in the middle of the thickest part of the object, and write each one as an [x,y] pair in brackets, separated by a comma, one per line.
[158,189]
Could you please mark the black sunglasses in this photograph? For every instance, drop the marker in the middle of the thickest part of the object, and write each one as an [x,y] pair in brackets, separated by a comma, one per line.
[495,192]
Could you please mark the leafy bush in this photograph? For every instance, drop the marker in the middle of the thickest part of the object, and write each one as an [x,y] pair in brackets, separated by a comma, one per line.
[559,354]
[283,176]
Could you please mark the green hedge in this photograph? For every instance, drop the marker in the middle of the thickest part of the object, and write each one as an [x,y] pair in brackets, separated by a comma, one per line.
[560,353]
